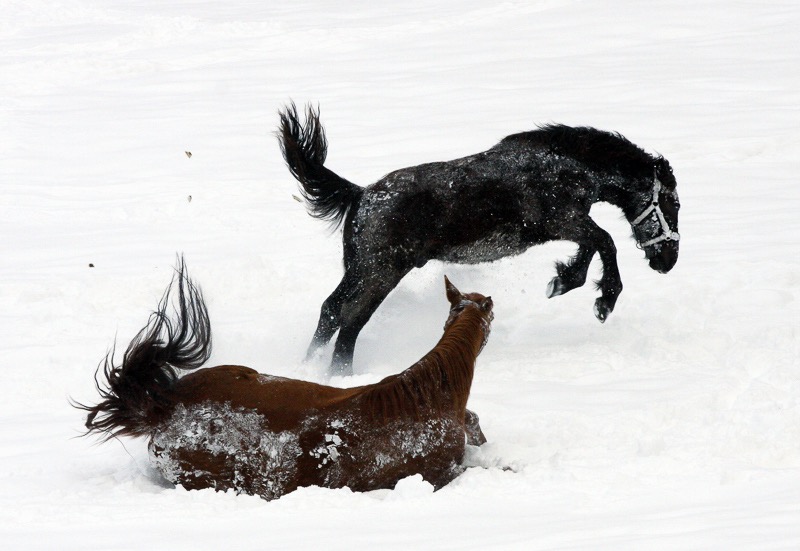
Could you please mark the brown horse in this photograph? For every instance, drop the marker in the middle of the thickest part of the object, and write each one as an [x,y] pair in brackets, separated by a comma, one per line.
[230,427]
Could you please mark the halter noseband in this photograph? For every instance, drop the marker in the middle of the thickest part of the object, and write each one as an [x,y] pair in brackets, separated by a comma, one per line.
[667,234]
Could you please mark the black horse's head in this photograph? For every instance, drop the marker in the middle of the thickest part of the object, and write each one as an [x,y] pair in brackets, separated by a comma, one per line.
[655,220]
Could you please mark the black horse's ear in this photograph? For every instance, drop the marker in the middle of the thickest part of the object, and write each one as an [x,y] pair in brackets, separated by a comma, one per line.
[454,296]
[487,304]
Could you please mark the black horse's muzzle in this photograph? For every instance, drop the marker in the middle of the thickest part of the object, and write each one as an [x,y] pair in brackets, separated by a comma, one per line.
[662,256]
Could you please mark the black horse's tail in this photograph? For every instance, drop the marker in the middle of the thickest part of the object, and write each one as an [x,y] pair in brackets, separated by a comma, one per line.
[138,394]
[328,196]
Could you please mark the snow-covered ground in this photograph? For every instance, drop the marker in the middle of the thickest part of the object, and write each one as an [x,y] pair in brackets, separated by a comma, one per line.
[676,425]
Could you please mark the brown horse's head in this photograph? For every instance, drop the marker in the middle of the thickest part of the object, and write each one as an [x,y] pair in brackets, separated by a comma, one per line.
[460,302]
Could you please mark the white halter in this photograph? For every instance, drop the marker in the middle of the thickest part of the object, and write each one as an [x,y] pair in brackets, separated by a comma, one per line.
[667,234]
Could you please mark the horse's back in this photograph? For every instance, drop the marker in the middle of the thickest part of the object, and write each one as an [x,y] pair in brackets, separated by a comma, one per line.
[283,402]
[474,209]
[235,428]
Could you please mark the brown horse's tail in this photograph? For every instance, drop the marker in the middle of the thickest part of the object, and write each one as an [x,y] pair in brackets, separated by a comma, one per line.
[136,395]
[328,196]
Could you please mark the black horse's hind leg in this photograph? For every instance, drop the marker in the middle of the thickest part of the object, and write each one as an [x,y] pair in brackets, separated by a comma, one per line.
[330,315]
[356,310]
[590,236]
[572,274]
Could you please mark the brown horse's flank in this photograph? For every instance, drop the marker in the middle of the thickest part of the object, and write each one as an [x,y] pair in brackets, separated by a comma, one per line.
[230,427]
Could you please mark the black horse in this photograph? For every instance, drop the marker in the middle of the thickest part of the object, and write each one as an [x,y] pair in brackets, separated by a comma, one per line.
[530,188]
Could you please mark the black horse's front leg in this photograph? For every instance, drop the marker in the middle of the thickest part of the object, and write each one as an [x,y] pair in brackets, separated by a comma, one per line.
[610,284]
[572,274]
[591,237]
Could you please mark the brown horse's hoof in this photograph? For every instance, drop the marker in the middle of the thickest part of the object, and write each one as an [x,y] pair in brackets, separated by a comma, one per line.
[556,287]
[472,428]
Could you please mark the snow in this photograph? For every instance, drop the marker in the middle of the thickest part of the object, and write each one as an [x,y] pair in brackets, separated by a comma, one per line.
[674,425]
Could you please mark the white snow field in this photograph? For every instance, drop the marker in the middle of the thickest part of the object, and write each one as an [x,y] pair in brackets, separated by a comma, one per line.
[674,425]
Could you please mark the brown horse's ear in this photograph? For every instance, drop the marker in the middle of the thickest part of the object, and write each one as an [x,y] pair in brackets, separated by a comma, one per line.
[453,294]
[487,304]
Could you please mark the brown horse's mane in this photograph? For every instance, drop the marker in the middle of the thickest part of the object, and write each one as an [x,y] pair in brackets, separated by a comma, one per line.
[440,381]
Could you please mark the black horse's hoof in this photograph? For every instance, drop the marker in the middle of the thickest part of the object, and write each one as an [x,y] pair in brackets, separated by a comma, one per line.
[556,287]
[602,310]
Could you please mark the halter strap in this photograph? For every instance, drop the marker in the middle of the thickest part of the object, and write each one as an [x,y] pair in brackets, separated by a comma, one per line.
[666,233]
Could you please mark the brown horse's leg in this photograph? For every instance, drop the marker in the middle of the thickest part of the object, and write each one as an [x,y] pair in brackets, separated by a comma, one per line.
[472,427]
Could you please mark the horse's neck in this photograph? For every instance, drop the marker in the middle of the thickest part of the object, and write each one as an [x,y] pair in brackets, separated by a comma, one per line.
[441,380]
[452,361]
[621,193]
[467,333]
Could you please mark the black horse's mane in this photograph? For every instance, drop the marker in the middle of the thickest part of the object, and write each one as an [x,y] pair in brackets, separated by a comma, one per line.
[597,149]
